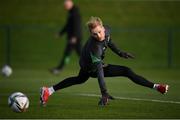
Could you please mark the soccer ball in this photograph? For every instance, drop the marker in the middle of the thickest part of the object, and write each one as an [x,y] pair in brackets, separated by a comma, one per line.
[6,71]
[18,102]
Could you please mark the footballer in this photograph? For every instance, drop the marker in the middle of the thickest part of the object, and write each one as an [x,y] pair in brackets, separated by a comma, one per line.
[92,65]
[74,35]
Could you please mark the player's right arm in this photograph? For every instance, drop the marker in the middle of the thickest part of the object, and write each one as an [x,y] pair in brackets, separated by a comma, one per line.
[119,52]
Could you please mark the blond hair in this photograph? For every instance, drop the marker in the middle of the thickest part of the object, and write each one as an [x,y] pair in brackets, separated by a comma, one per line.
[94,22]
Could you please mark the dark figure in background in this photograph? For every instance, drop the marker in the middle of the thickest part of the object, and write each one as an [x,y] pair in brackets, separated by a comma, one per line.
[92,65]
[74,34]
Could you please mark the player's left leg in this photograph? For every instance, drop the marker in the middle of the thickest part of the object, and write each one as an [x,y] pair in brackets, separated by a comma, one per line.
[45,92]
[81,78]
[117,70]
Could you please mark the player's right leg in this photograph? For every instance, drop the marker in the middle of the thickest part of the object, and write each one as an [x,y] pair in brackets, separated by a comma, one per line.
[162,88]
[117,70]
[45,92]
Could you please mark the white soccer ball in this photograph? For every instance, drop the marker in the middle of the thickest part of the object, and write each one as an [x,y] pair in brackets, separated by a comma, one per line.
[18,102]
[6,71]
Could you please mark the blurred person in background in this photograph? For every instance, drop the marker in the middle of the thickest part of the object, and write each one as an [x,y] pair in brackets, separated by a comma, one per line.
[92,65]
[74,34]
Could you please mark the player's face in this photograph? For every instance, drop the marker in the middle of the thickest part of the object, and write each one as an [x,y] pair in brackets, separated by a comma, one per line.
[98,32]
[68,4]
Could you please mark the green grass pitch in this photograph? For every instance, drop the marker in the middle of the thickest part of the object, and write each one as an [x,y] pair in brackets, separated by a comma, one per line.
[34,49]
[69,103]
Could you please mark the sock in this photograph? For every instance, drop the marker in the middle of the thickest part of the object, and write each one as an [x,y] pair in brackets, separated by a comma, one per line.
[155,86]
[51,90]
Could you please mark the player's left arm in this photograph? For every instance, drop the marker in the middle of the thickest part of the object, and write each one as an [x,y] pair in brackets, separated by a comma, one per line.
[97,63]
[119,52]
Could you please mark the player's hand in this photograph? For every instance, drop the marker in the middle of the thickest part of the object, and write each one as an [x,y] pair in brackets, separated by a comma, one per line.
[126,55]
[104,100]
[111,97]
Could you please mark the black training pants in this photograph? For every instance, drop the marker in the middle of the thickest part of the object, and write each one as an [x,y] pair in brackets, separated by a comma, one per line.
[109,71]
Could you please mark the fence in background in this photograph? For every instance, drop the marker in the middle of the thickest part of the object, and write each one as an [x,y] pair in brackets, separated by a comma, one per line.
[25,38]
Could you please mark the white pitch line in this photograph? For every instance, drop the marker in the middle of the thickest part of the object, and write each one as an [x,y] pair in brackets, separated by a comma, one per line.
[136,99]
